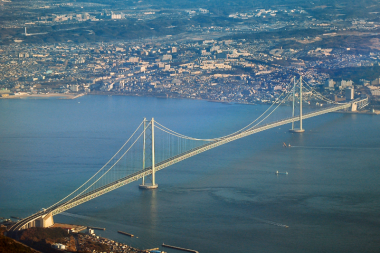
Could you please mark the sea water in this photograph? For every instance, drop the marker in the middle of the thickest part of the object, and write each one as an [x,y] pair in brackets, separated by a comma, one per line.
[227,199]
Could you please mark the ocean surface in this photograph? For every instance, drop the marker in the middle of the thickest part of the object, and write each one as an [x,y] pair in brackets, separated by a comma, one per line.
[227,199]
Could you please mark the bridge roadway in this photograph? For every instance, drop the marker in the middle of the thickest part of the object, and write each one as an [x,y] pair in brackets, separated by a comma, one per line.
[159,166]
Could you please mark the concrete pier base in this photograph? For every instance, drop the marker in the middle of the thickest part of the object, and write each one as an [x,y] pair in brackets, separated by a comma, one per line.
[44,222]
[297,130]
[48,220]
[148,186]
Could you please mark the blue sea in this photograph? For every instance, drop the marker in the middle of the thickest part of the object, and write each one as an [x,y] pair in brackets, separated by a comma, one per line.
[227,199]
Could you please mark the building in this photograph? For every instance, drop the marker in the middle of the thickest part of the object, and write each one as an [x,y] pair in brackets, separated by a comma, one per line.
[91,232]
[121,84]
[376,81]
[375,91]
[115,16]
[58,246]
[349,93]
[134,59]
[345,84]
[167,57]
[74,87]
[329,84]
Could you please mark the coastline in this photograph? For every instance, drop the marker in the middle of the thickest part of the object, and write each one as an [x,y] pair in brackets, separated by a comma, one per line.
[173,97]
[75,240]
[44,96]
[76,95]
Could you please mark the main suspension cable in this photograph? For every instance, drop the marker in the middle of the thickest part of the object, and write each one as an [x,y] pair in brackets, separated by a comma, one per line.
[251,128]
[100,168]
[169,131]
[114,163]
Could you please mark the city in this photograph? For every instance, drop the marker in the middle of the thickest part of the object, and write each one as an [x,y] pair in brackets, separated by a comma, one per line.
[205,62]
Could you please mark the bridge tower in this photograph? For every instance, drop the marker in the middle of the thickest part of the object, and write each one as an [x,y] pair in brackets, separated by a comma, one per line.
[149,137]
[297,130]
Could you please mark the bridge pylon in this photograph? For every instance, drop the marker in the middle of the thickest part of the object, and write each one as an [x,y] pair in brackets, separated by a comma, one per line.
[300,129]
[147,137]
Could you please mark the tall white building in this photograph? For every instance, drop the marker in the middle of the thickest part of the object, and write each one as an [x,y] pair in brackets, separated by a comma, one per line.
[350,93]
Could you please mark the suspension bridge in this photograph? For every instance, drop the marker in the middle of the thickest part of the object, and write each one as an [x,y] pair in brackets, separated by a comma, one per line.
[153,147]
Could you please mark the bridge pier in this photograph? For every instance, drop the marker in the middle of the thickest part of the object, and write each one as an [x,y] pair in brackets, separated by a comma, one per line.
[148,186]
[299,130]
[354,107]
[47,221]
[153,185]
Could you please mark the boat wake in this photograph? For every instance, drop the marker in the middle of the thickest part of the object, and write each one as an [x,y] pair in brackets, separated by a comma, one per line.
[271,223]
[348,148]
[83,217]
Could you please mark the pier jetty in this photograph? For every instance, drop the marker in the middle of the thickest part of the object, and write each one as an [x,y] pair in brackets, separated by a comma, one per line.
[125,233]
[179,248]
[96,228]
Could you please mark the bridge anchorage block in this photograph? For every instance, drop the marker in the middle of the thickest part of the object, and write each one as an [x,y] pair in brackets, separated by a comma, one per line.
[297,130]
[148,186]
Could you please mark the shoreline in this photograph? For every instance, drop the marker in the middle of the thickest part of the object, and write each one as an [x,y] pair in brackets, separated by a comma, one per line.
[44,96]
[173,97]
[75,95]
[86,239]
